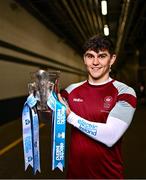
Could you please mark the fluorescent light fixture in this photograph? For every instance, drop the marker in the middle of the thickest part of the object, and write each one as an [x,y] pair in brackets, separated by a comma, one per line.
[106,30]
[104,7]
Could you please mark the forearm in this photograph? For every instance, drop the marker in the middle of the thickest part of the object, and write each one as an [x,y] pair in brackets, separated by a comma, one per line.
[108,133]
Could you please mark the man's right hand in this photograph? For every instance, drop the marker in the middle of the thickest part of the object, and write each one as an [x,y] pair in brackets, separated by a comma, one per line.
[68,110]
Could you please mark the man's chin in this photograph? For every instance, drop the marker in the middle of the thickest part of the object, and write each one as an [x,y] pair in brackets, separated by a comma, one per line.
[96,77]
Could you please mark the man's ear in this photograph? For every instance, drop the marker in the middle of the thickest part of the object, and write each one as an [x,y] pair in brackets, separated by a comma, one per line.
[113,59]
[84,59]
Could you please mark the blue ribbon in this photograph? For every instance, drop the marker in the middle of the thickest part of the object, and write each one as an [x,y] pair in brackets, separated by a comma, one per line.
[31,133]
[59,127]
[30,125]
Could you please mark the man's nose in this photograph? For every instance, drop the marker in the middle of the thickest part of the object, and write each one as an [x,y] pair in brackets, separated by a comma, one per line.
[96,61]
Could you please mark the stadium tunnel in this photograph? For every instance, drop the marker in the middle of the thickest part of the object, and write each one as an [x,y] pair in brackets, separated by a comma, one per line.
[49,34]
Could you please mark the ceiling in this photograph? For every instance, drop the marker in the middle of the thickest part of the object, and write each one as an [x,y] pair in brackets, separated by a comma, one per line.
[77,20]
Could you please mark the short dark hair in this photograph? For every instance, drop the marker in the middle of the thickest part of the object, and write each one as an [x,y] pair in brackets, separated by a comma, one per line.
[99,42]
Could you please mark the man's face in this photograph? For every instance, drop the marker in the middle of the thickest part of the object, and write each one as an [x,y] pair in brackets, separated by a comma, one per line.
[98,64]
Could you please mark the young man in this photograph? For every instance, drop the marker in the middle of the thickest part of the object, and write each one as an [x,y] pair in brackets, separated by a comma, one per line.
[100,110]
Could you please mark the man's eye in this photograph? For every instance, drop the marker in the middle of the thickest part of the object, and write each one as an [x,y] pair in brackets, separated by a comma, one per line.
[102,56]
[89,56]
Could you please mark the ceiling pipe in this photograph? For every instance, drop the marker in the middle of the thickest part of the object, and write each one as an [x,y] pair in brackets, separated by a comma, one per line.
[87,14]
[98,16]
[79,17]
[122,25]
[72,16]
[93,12]
[84,17]
[95,23]
[87,6]
[130,18]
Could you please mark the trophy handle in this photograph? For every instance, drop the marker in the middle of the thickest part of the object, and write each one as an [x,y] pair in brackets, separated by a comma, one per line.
[56,86]
[32,88]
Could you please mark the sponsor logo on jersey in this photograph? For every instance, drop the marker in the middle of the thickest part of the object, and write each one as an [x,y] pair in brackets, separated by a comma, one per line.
[88,128]
[77,100]
[108,102]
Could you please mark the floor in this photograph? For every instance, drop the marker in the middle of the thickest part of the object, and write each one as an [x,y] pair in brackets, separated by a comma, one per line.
[11,151]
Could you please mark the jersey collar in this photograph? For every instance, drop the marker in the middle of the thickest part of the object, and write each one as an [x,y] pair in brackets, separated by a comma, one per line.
[102,83]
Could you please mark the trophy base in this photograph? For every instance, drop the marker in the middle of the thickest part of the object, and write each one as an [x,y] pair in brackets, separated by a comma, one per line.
[45,116]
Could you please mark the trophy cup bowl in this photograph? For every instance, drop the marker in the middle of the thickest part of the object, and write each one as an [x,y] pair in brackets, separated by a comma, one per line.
[44,83]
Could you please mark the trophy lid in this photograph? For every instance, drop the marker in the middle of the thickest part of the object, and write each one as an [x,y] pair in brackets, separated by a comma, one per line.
[48,75]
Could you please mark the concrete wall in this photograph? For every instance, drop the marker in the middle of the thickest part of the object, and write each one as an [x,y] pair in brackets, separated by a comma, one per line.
[27,45]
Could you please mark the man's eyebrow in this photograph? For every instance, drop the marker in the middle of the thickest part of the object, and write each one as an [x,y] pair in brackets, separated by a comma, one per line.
[102,53]
[88,53]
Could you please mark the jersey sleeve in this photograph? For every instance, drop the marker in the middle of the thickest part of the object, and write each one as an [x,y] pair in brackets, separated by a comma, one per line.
[117,122]
[125,106]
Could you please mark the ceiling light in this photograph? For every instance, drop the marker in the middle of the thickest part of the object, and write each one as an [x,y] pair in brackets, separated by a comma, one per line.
[104,7]
[106,30]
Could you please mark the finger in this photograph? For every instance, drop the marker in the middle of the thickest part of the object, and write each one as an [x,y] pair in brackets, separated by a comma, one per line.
[60,99]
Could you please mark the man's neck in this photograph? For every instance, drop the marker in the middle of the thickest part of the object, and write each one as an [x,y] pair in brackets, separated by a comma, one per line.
[99,83]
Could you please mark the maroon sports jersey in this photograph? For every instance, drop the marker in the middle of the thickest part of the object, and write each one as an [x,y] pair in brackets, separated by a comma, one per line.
[89,158]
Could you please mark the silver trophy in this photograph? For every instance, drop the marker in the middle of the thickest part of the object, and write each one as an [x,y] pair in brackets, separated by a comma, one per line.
[44,87]
[44,82]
